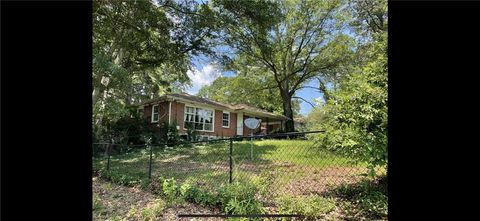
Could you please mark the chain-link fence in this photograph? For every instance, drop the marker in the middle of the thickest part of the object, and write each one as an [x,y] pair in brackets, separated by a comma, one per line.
[284,164]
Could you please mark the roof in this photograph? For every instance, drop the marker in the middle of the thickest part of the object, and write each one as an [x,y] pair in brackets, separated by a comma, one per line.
[299,119]
[199,100]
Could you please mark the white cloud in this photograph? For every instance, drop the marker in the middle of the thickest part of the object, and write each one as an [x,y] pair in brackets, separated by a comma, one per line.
[202,77]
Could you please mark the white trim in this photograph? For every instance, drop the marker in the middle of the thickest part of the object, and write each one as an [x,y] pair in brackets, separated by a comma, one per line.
[170,113]
[153,108]
[226,112]
[240,123]
[194,106]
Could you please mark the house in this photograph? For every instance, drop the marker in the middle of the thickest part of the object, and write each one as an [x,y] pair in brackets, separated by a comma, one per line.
[209,118]
[299,123]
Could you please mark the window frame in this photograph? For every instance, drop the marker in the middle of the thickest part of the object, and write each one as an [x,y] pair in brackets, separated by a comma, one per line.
[228,120]
[153,113]
[194,112]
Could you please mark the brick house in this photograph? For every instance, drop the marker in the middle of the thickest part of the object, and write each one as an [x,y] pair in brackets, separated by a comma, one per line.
[209,118]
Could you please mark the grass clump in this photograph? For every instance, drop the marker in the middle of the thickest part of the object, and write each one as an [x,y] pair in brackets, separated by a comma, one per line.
[313,207]
[154,211]
[240,198]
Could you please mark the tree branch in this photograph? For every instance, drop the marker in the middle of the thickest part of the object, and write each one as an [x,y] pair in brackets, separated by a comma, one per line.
[304,100]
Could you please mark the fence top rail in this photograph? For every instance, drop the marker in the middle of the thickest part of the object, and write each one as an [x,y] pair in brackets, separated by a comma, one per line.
[227,139]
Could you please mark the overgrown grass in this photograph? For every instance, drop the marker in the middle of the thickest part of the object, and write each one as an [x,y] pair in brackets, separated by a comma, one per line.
[271,167]
[313,207]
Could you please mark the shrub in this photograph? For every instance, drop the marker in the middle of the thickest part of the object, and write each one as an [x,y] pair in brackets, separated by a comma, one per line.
[356,116]
[170,189]
[239,198]
[169,133]
[192,134]
[311,206]
[196,195]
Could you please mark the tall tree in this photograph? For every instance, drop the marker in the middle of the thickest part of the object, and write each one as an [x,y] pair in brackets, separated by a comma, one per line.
[243,89]
[356,116]
[142,49]
[291,41]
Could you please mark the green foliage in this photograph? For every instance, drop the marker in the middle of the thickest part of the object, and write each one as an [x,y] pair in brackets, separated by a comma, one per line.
[192,134]
[239,198]
[170,134]
[170,189]
[97,203]
[370,196]
[311,206]
[242,89]
[142,50]
[283,45]
[196,195]
[122,178]
[356,117]
[152,212]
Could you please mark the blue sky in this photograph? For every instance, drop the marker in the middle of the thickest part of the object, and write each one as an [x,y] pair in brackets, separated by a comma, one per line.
[205,72]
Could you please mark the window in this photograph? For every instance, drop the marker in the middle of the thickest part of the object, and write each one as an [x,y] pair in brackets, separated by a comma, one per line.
[226,119]
[154,113]
[198,118]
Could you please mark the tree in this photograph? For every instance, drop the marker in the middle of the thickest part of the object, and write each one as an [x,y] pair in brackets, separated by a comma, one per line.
[243,89]
[141,50]
[356,116]
[291,42]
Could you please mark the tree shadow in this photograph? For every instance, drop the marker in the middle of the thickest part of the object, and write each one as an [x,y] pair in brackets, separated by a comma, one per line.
[366,199]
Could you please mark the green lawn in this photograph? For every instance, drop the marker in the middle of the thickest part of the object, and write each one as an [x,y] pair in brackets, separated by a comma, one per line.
[286,166]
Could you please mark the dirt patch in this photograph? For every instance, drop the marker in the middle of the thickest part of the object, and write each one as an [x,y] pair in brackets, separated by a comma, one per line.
[320,181]
[117,200]
[117,203]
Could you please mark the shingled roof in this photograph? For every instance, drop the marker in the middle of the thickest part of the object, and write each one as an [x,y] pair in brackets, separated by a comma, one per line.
[201,100]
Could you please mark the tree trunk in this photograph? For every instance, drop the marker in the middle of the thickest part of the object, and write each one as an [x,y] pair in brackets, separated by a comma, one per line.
[288,112]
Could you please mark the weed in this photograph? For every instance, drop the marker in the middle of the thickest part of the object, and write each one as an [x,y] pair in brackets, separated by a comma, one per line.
[311,206]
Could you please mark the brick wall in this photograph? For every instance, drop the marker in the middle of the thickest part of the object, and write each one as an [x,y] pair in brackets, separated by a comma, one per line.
[177,115]
[162,114]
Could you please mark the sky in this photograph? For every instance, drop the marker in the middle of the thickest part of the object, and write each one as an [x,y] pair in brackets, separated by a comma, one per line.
[205,72]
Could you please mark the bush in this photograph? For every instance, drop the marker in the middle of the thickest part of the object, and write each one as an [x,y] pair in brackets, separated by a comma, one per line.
[356,116]
[192,134]
[170,189]
[239,198]
[313,207]
[196,195]
[169,133]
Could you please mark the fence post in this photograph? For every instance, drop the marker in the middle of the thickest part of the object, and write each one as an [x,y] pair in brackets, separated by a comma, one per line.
[108,156]
[231,160]
[150,162]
